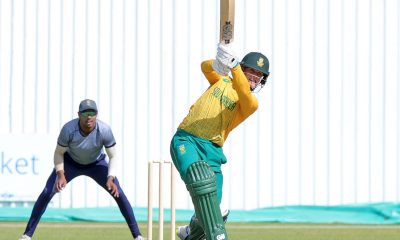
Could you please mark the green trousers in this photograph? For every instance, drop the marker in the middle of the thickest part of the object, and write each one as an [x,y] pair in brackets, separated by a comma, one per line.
[186,149]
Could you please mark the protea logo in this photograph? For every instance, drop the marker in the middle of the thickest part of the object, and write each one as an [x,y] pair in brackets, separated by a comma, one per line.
[260,62]
[221,236]
[182,149]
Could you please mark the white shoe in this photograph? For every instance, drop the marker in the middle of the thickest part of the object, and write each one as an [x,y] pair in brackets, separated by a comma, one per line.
[25,237]
[225,214]
[139,238]
[183,232]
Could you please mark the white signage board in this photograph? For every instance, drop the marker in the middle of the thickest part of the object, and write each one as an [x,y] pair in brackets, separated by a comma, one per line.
[26,162]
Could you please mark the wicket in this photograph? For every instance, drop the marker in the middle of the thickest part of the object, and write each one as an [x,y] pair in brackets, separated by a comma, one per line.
[161,164]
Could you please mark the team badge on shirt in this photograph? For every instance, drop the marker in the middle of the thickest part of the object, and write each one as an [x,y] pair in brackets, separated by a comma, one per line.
[182,149]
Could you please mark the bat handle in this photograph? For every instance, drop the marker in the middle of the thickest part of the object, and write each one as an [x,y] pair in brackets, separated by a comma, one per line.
[227,32]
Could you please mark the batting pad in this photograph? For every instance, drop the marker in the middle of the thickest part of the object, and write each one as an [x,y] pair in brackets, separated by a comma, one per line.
[202,186]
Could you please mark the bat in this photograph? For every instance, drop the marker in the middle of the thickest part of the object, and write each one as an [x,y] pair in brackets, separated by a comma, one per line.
[227,20]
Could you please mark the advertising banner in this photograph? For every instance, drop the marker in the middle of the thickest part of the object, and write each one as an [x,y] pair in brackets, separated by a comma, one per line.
[25,164]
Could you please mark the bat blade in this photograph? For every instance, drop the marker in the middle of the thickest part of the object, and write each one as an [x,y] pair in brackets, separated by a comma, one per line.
[227,20]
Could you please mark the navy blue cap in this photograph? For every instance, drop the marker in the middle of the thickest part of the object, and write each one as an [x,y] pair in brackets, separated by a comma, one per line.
[87,104]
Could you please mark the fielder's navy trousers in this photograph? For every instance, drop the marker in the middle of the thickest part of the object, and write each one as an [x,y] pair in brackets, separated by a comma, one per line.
[98,171]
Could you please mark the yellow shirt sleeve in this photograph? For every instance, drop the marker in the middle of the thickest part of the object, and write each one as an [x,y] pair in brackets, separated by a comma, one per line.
[208,71]
[248,102]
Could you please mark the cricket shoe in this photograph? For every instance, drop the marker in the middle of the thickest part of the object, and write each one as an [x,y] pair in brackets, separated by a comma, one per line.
[225,214]
[140,238]
[25,237]
[183,232]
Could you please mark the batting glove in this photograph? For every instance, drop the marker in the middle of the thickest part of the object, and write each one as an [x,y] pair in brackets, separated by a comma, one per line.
[220,68]
[226,56]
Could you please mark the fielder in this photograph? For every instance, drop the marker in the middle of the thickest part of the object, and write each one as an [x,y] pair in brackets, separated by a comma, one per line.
[79,151]
[196,147]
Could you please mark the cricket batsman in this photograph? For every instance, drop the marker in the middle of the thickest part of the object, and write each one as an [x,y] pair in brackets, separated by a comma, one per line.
[196,147]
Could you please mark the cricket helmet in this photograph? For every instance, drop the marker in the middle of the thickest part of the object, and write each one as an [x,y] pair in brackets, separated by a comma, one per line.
[259,62]
[256,61]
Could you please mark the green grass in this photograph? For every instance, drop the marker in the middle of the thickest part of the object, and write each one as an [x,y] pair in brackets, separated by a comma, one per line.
[239,231]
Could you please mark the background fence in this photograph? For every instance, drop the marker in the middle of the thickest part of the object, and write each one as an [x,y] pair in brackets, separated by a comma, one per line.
[327,130]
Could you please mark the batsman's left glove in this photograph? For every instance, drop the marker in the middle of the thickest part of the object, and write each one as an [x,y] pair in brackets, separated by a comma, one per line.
[226,56]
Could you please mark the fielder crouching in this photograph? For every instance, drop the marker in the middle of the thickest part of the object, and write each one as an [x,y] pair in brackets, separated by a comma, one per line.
[196,147]
[79,151]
